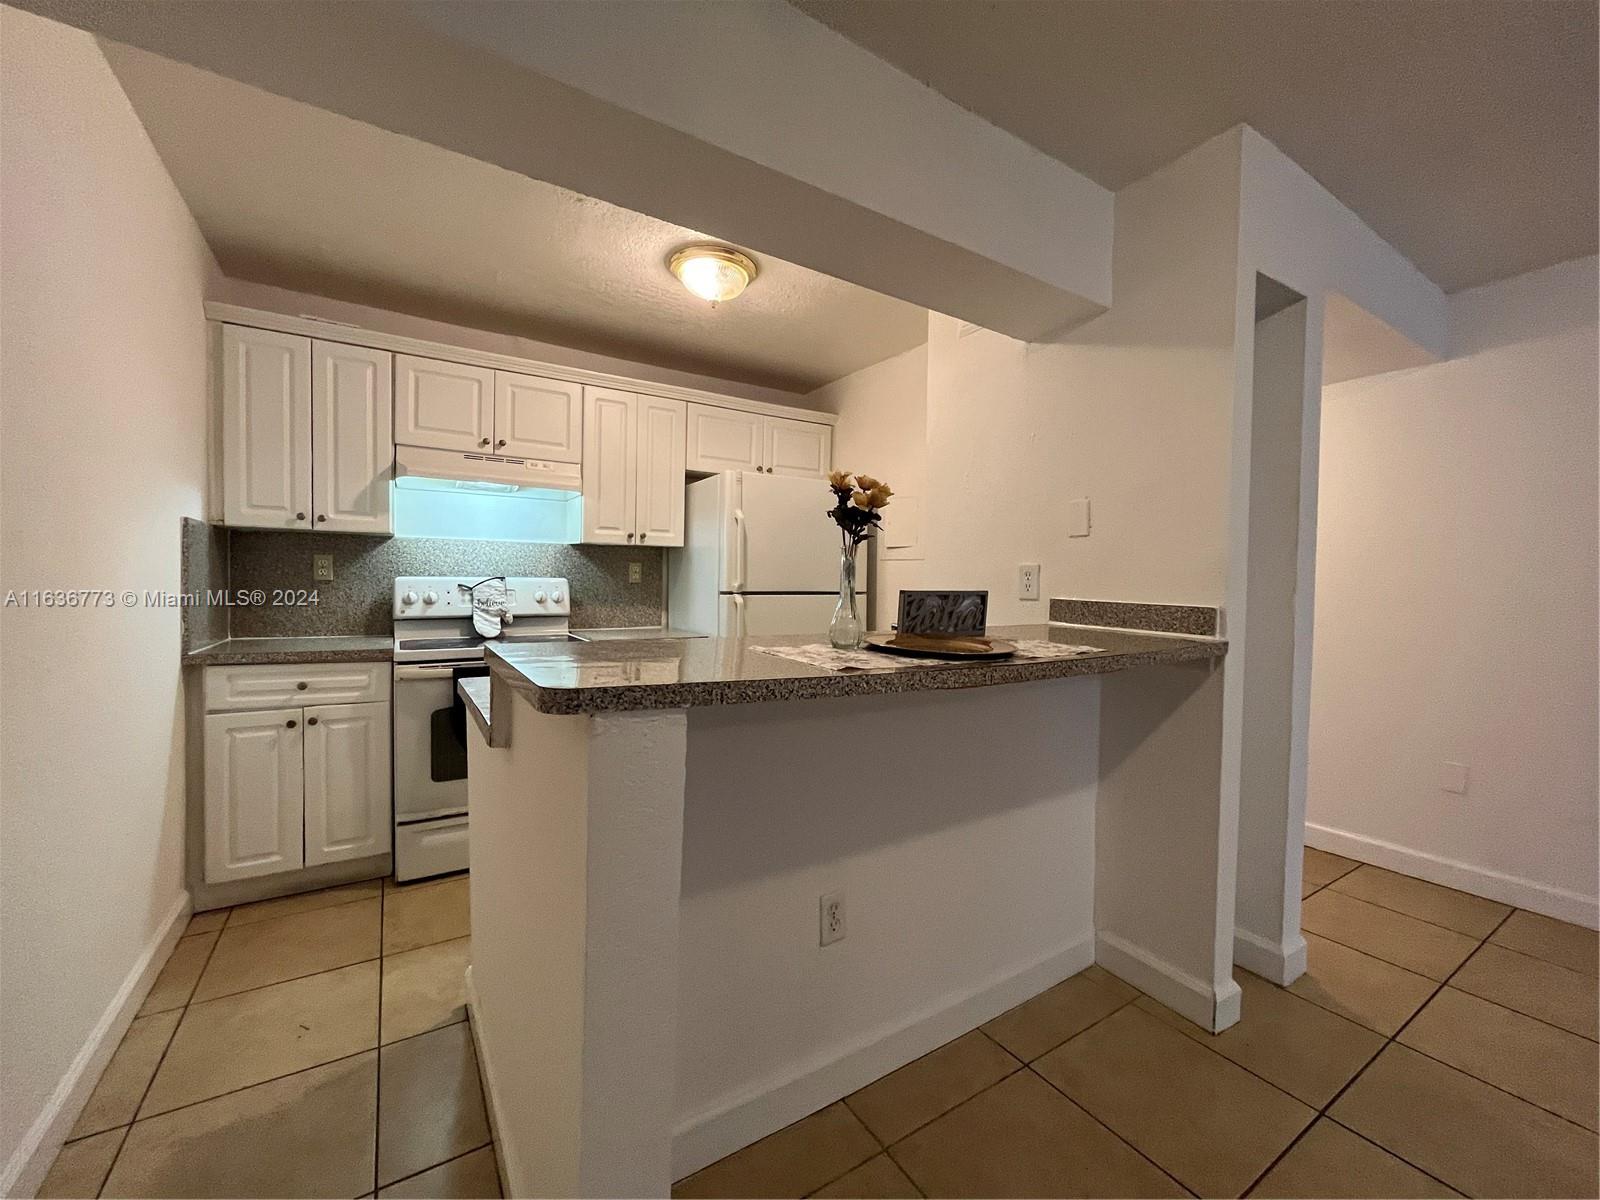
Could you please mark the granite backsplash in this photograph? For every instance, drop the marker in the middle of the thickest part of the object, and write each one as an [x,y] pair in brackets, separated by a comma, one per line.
[205,577]
[359,599]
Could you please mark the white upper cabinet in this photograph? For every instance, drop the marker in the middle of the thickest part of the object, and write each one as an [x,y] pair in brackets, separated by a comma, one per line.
[797,447]
[723,439]
[352,438]
[633,464]
[346,782]
[610,449]
[727,439]
[662,443]
[443,405]
[266,428]
[538,418]
[253,794]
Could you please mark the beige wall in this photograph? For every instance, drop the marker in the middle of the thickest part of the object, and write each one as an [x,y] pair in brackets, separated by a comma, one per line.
[103,378]
[1456,603]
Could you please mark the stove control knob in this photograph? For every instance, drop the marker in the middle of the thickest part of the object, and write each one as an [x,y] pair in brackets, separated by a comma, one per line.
[430,597]
[556,597]
[409,598]
[538,597]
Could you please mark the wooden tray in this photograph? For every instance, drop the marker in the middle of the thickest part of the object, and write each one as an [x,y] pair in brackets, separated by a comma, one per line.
[998,649]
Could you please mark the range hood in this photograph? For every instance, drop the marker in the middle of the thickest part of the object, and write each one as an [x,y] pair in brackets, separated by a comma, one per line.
[489,474]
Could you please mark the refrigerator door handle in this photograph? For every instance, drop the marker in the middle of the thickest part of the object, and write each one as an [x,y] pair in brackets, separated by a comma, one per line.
[738,608]
[739,548]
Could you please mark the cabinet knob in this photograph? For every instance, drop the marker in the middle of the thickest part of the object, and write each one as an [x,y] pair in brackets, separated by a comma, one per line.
[299,516]
[483,441]
[642,536]
[630,537]
[322,516]
[500,443]
[311,720]
[289,724]
[300,687]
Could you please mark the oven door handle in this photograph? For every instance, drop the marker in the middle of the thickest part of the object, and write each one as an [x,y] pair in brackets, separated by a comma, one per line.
[432,670]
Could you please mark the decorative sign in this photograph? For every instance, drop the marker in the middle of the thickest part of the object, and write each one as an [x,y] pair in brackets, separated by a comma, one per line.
[943,614]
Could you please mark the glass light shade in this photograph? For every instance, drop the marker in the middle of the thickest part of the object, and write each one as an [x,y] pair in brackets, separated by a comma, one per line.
[714,273]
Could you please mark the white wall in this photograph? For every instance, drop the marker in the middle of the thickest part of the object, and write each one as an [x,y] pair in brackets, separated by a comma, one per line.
[883,431]
[1456,605]
[103,378]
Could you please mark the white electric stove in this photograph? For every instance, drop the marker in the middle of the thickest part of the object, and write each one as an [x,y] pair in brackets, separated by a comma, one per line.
[435,644]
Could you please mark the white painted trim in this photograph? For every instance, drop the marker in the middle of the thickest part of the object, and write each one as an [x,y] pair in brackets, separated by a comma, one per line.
[491,1094]
[351,335]
[1480,881]
[1282,964]
[1188,995]
[32,1158]
[706,1136]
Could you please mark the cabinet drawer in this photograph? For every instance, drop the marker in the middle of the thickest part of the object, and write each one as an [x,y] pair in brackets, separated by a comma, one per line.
[237,689]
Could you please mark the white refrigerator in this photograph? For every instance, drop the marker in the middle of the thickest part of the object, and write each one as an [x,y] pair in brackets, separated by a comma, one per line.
[759,556]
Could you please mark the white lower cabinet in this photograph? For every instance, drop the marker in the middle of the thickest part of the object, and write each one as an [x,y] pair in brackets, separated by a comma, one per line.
[289,788]
[255,799]
[346,782]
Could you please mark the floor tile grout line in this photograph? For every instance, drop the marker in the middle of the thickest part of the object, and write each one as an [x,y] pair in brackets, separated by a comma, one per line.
[172,1037]
[360,962]
[1456,987]
[1389,961]
[377,1073]
[1402,912]
[1332,1120]
[489,1145]
[299,912]
[1388,1041]
[1549,962]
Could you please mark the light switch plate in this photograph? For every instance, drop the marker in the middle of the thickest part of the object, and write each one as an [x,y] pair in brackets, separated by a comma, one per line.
[322,568]
[1453,778]
[1078,517]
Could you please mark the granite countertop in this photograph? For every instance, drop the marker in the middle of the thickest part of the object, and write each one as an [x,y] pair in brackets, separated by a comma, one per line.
[262,650]
[475,695]
[575,677]
[633,634]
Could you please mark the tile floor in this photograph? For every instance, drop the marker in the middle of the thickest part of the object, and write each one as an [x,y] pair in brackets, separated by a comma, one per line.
[1439,1045]
[310,1046]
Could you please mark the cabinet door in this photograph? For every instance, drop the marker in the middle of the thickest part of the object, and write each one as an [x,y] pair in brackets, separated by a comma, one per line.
[662,445]
[797,447]
[254,800]
[610,450]
[445,405]
[266,429]
[723,439]
[352,437]
[537,418]
[347,782]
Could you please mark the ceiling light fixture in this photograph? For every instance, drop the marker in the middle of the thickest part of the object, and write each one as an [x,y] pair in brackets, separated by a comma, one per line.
[714,273]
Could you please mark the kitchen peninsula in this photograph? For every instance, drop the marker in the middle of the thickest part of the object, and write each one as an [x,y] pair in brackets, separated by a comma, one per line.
[664,829]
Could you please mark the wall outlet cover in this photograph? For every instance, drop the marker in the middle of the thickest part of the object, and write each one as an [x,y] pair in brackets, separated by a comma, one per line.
[635,572]
[322,568]
[1453,778]
[830,916]
[1027,581]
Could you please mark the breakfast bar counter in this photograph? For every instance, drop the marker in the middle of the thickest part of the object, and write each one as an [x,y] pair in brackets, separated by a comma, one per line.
[716,888]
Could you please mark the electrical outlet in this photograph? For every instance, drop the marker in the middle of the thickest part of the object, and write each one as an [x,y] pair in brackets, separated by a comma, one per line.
[322,568]
[830,911]
[1028,581]
[635,572]
[1453,778]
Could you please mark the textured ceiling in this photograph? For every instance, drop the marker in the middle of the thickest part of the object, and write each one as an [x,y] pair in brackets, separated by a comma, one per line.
[1462,131]
[297,197]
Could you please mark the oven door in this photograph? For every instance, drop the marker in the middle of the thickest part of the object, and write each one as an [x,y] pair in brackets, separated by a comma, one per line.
[430,746]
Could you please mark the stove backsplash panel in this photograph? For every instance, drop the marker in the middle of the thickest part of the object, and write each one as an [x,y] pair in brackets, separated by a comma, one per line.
[359,599]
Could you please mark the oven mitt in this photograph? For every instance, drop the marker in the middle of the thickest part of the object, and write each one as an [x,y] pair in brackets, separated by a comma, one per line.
[491,595]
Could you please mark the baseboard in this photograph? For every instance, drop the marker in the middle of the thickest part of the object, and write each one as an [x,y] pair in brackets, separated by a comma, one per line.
[1209,1007]
[1282,963]
[711,1134]
[1480,881]
[29,1163]
[491,1094]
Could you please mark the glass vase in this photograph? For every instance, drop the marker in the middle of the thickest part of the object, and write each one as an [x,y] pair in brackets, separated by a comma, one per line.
[845,631]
